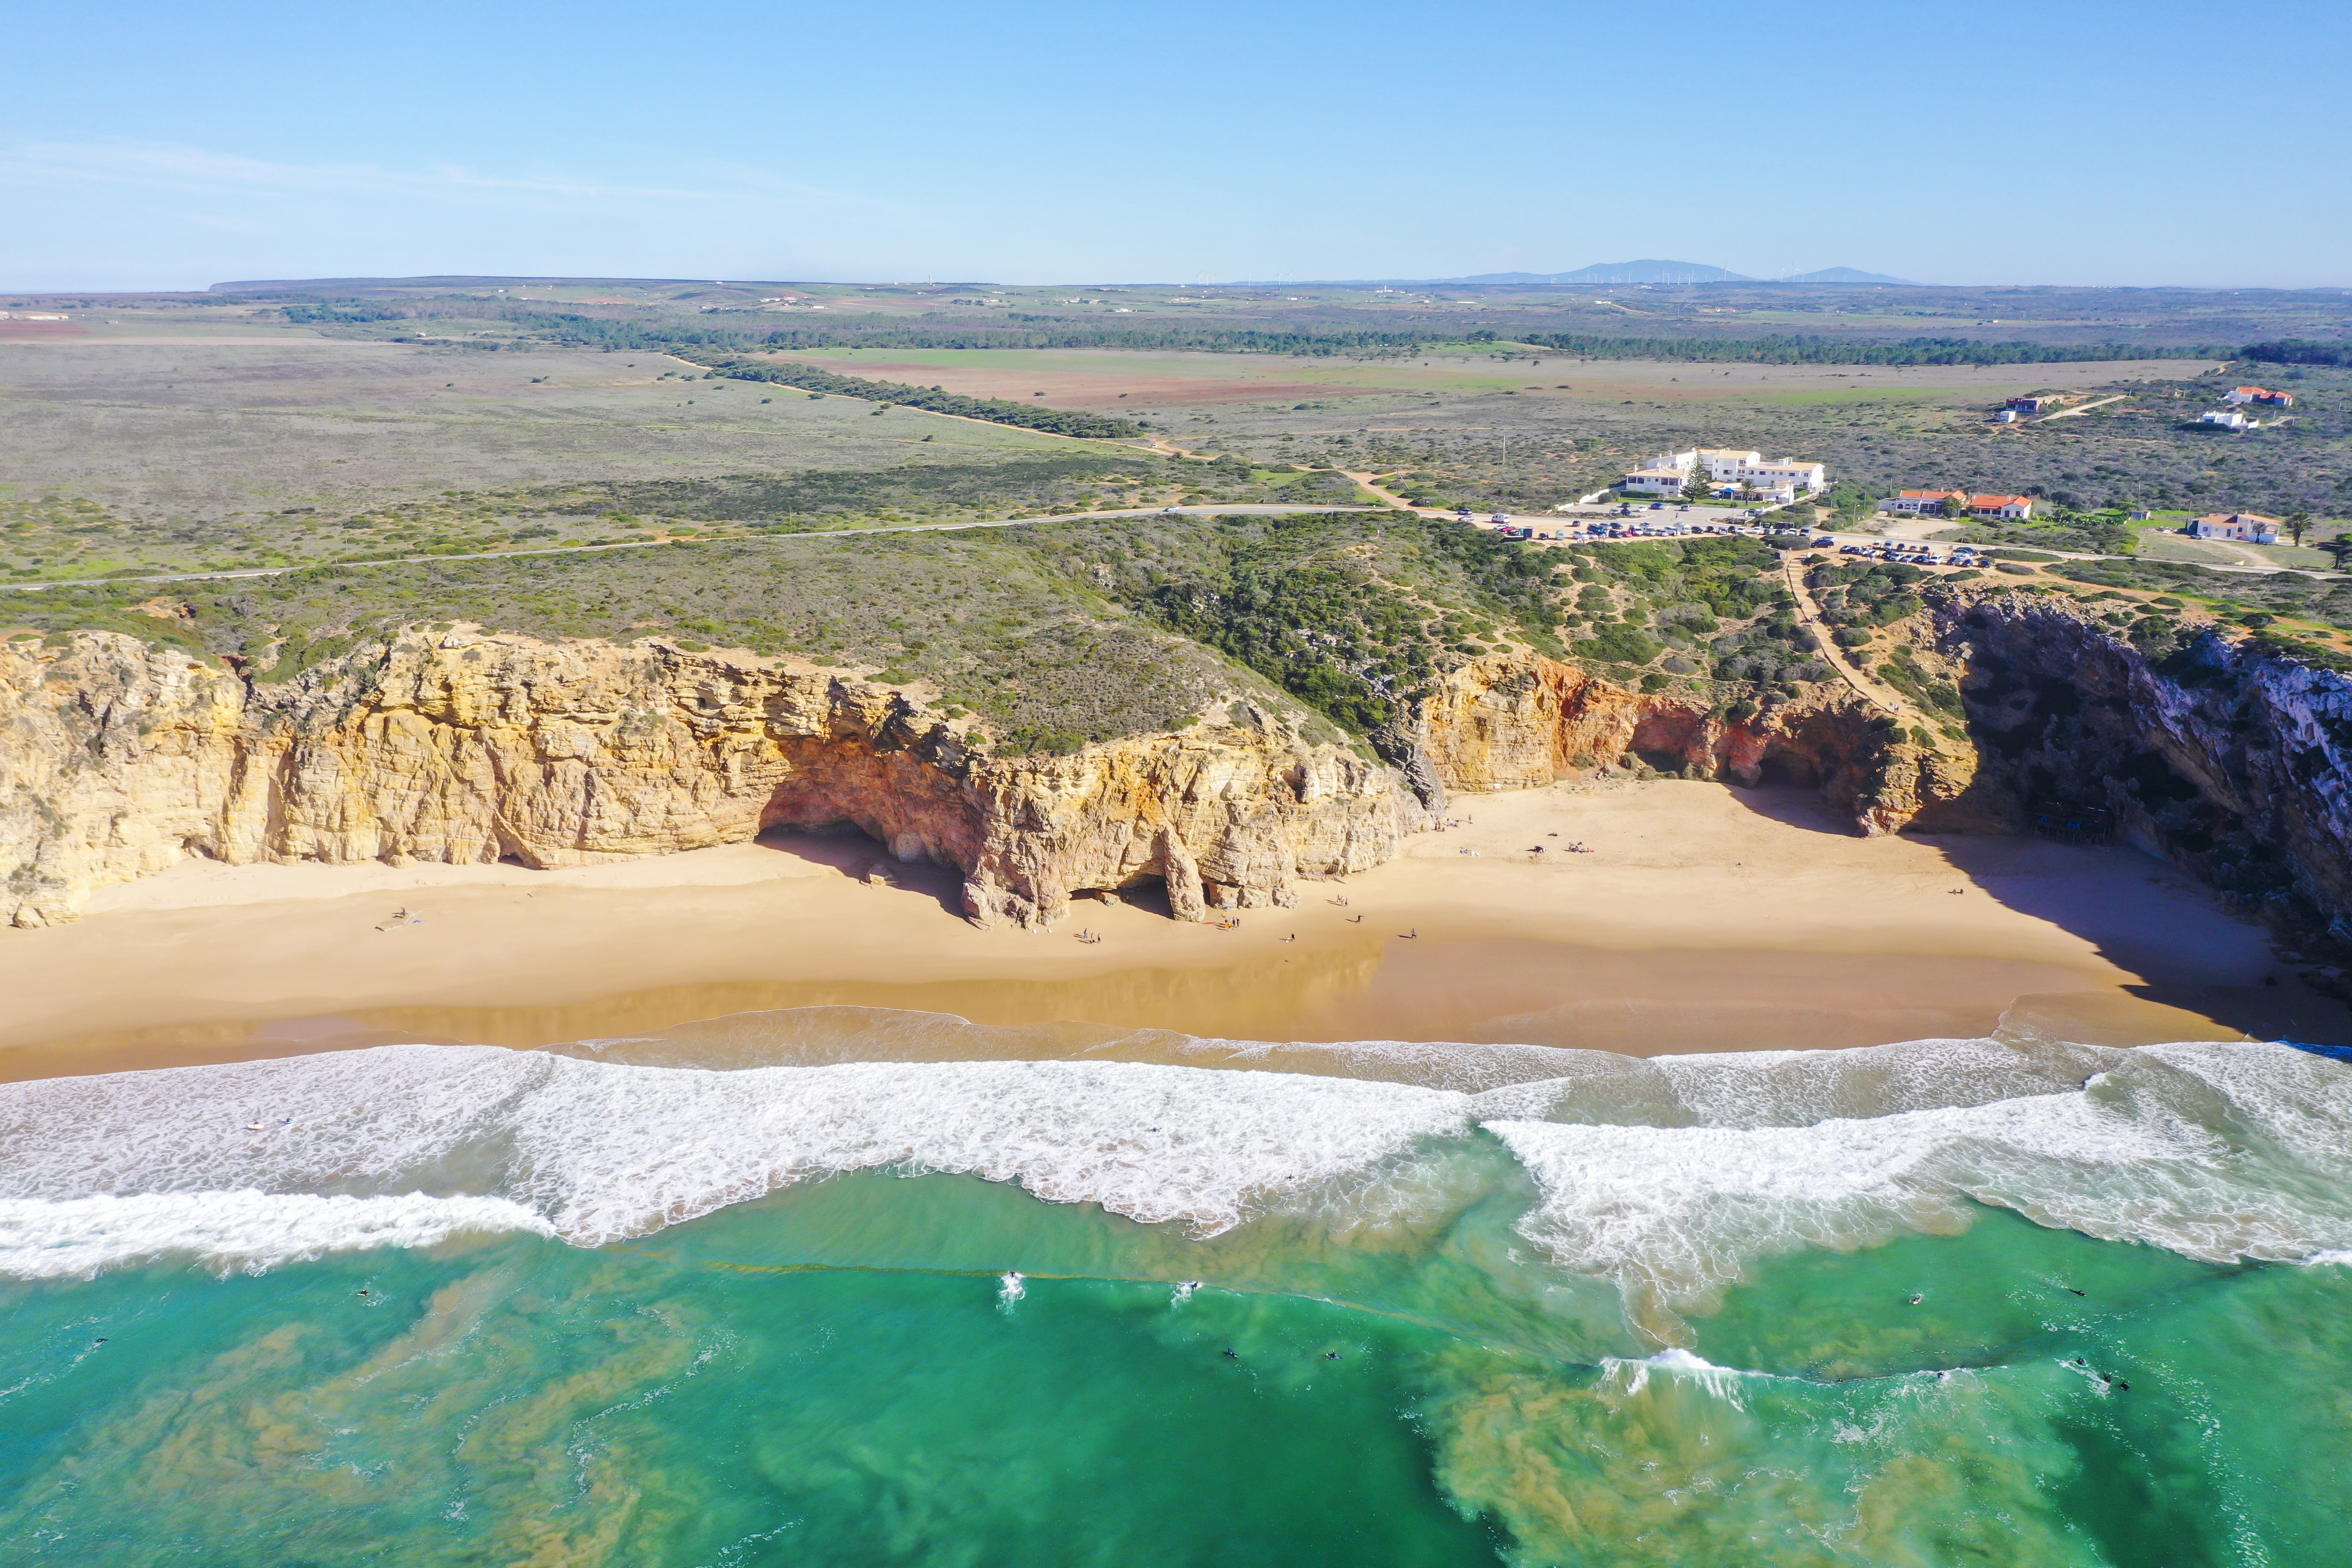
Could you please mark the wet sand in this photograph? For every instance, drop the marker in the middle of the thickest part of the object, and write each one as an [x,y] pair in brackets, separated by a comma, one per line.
[1707,918]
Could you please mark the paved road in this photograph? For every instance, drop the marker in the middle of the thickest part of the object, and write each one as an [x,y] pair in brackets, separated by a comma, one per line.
[1255,508]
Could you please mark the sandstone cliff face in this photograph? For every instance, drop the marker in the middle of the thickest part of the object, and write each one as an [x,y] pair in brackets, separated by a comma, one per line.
[118,759]
[2233,765]
[1519,722]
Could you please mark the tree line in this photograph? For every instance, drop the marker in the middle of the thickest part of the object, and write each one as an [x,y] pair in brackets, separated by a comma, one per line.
[1798,350]
[1029,331]
[2297,351]
[932,399]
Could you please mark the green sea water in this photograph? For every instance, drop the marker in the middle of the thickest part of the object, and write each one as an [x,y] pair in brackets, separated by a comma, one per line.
[889,1365]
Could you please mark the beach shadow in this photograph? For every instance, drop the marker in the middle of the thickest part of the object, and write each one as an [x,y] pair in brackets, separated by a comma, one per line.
[1792,805]
[2154,919]
[861,856]
[2141,914]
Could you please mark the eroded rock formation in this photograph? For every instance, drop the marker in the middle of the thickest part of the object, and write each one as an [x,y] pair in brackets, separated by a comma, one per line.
[2232,764]
[1519,722]
[118,759]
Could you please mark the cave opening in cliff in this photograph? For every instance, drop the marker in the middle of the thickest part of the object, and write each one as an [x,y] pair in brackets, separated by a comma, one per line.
[1148,892]
[849,848]
[1664,741]
[1781,766]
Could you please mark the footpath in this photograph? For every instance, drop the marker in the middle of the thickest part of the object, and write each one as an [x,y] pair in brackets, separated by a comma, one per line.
[1809,614]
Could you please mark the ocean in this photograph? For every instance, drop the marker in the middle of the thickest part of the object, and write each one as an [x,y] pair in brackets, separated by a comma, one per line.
[854,1286]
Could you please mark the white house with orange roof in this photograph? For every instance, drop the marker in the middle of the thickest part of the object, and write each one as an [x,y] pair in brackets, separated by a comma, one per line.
[2243,527]
[2259,394]
[1918,503]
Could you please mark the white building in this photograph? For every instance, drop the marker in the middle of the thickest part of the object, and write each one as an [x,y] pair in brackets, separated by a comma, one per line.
[2230,419]
[2244,527]
[2258,394]
[1777,478]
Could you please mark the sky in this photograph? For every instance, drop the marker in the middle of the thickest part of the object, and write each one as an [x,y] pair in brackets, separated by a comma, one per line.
[2081,141]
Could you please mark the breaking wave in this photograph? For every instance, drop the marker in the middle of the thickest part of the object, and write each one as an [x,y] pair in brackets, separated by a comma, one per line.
[1670,1176]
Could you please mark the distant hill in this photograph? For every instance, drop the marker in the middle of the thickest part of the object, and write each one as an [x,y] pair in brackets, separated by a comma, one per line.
[1844,275]
[1617,272]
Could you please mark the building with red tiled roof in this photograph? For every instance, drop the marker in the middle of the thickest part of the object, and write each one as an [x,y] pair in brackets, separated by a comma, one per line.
[2259,394]
[1917,502]
[2244,527]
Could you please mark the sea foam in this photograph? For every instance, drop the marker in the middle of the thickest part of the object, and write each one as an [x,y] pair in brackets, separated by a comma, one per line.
[604,1151]
[1670,1176]
[2218,1153]
[250,1230]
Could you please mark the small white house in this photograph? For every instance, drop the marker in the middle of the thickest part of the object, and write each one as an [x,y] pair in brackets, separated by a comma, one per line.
[2243,527]
[2238,394]
[2229,419]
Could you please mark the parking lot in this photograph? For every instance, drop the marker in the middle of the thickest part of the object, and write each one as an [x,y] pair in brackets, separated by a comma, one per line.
[1632,522]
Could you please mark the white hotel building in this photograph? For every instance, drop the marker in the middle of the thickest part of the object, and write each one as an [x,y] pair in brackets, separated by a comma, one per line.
[1777,478]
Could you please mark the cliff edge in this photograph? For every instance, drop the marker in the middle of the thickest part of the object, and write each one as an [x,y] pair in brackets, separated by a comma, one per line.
[121,759]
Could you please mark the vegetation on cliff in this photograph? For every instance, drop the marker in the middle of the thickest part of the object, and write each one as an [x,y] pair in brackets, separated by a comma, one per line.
[1046,660]
[1056,635]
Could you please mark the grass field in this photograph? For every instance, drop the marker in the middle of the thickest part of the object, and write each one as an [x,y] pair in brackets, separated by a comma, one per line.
[204,436]
[1101,380]
[2141,317]
[213,453]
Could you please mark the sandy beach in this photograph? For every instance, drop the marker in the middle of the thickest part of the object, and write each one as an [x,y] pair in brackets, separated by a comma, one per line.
[1704,918]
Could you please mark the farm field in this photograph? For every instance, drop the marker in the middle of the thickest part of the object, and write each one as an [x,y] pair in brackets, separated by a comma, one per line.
[208,436]
[1107,380]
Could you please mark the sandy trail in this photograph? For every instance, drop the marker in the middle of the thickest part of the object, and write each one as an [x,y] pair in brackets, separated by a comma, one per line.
[1705,918]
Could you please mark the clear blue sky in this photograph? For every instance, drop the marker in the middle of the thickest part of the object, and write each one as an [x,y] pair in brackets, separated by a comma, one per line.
[2134,141]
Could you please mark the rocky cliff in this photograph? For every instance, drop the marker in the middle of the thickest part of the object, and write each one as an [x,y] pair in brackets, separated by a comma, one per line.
[1517,721]
[118,759]
[2205,751]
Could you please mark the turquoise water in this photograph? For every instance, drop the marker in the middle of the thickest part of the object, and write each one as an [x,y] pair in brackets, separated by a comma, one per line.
[1987,1302]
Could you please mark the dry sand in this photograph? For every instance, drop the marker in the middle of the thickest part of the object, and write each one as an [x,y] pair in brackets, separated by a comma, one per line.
[1707,918]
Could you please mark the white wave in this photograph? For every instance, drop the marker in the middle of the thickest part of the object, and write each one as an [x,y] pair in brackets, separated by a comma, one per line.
[76,1237]
[2218,1153]
[1671,1176]
[1798,1088]
[603,1152]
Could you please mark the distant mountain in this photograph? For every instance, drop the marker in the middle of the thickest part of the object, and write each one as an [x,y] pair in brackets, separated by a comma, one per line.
[1617,272]
[1844,275]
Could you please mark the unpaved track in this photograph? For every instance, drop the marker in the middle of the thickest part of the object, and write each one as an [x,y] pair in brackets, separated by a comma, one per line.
[1809,614]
